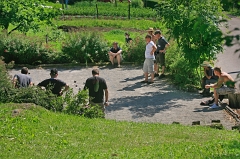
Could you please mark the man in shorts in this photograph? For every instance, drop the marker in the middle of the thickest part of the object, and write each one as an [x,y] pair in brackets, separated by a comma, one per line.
[225,85]
[97,88]
[115,53]
[162,45]
[23,79]
[148,66]
[56,86]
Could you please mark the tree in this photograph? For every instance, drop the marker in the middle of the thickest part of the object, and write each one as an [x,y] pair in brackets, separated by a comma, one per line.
[24,15]
[194,24]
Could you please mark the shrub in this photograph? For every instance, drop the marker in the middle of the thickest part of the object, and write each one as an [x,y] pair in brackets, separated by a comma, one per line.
[24,50]
[86,48]
[137,3]
[4,80]
[136,51]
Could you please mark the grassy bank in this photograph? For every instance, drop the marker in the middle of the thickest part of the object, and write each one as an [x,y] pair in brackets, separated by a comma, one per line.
[38,133]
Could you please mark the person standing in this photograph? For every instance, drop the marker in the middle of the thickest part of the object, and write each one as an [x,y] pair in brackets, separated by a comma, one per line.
[209,78]
[127,38]
[162,45]
[224,85]
[97,89]
[148,66]
[115,53]
[56,86]
[23,79]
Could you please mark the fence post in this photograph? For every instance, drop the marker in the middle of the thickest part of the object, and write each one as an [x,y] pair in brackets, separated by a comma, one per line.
[129,1]
[97,10]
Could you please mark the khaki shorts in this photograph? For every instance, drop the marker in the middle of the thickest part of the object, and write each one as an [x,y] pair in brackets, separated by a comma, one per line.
[100,104]
[148,66]
[225,90]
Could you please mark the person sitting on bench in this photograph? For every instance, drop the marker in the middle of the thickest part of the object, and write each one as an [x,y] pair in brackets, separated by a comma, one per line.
[225,85]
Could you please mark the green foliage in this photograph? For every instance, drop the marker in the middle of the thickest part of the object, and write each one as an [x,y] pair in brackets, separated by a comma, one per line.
[25,15]
[24,50]
[78,104]
[37,133]
[4,80]
[84,48]
[109,9]
[137,3]
[136,51]
[194,25]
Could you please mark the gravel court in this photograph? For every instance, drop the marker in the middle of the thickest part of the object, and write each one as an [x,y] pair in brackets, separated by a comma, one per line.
[131,100]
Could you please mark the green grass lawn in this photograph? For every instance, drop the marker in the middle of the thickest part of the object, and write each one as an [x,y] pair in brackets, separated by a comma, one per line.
[38,133]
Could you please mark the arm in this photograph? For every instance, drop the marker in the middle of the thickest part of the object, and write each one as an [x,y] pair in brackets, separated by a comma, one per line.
[66,87]
[106,97]
[14,81]
[164,50]
[154,48]
[216,85]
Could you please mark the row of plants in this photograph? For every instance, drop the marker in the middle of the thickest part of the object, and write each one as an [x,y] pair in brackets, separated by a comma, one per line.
[109,9]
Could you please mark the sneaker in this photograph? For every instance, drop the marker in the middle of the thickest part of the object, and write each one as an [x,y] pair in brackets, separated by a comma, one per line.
[156,74]
[119,66]
[214,106]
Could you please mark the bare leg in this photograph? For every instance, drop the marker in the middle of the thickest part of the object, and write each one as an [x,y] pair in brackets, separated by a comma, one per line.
[216,96]
[118,59]
[111,59]
[146,76]
[156,68]
[163,69]
[152,76]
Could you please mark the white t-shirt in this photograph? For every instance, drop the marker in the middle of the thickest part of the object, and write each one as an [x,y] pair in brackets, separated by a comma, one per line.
[148,50]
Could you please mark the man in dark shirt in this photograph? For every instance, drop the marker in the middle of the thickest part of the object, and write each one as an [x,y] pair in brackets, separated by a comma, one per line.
[97,87]
[115,53]
[55,85]
[162,45]
[209,78]
[23,79]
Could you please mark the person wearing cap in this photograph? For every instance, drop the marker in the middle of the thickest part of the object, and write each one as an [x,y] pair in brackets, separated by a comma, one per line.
[148,66]
[127,38]
[97,87]
[115,54]
[224,85]
[23,79]
[56,86]
[162,45]
[151,32]
[209,77]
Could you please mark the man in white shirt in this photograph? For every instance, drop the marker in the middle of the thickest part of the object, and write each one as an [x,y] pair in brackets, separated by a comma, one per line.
[148,66]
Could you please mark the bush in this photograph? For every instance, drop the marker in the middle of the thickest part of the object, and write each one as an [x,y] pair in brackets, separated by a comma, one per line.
[4,80]
[136,51]
[24,50]
[137,3]
[86,48]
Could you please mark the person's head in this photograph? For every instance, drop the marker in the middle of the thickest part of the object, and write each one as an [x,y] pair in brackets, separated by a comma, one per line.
[150,31]
[217,71]
[157,34]
[148,38]
[206,64]
[115,44]
[24,70]
[127,35]
[54,73]
[95,72]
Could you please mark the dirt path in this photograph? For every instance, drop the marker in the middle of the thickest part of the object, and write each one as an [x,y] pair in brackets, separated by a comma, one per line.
[133,101]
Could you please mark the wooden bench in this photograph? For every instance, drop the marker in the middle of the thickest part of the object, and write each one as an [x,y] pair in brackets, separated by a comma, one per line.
[234,100]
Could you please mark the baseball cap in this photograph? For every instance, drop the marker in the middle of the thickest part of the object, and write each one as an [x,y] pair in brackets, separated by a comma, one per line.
[54,71]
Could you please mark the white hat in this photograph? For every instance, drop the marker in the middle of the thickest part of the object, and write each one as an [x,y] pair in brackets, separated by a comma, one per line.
[205,64]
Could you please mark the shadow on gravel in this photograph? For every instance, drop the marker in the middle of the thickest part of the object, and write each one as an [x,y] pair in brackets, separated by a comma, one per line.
[151,103]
